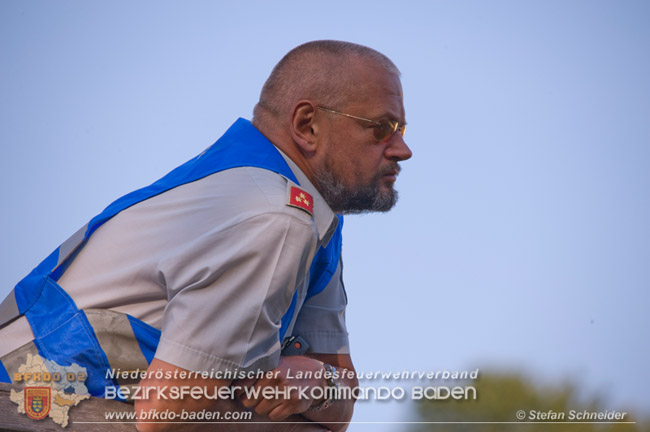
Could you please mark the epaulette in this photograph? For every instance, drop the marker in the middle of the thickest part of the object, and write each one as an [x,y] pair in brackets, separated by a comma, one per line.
[301,199]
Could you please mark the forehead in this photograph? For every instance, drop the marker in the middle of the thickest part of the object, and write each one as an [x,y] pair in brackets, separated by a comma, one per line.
[377,92]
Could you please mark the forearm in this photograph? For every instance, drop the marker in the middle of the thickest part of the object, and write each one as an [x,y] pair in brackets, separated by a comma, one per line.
[338,414]
[221,406]
[226,415]
[158,408]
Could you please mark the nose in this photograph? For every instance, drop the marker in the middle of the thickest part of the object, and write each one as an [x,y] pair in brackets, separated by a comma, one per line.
[397,149]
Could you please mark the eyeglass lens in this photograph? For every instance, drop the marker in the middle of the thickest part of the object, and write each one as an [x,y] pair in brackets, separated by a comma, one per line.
[386,128]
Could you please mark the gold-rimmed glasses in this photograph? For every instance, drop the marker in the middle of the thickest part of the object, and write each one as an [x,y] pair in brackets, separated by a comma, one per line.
[383,129]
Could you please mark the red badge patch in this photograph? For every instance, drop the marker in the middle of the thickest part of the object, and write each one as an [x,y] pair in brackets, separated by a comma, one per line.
[37,402]
[301,199]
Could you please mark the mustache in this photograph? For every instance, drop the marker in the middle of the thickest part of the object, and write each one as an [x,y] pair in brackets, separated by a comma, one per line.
[392,168]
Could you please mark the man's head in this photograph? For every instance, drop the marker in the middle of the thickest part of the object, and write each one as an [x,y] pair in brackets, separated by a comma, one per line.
[325,105]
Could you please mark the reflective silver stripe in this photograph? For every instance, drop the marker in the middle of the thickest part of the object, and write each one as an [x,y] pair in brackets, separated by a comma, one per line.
[15,359]
[115,336]
[69,246]
[15,334]
[8,309]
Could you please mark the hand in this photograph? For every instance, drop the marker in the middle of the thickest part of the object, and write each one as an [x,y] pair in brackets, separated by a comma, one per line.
[294,394]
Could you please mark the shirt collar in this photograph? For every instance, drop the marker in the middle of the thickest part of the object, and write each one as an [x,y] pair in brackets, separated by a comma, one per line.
[325,218]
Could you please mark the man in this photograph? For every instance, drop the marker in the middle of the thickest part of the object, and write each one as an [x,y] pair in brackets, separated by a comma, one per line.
[222,263]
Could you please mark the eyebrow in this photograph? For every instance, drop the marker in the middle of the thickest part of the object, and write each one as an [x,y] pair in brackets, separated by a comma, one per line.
[389,117]
[393,118]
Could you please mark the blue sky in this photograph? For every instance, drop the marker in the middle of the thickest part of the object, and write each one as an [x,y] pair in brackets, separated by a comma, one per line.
[521,240]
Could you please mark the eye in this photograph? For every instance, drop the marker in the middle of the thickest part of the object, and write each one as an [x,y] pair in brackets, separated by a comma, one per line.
[384,128]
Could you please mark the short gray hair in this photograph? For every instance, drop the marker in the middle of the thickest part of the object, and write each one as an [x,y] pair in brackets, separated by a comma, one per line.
[317,71]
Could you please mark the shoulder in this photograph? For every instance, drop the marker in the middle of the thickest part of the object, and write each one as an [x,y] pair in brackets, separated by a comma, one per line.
[224,198]
[248,189]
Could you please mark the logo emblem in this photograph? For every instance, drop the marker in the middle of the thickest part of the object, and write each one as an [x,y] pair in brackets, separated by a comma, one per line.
[37,402]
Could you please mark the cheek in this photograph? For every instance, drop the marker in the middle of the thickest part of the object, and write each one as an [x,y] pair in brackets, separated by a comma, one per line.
[348,170]
[366,171]
[355,163]
[360,167]
[344,163]
[371,161]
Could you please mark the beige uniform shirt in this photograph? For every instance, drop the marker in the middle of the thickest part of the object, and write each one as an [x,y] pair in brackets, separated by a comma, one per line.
[214,265]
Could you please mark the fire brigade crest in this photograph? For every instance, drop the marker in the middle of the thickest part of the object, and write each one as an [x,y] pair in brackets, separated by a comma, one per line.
[48,389]
[37,402]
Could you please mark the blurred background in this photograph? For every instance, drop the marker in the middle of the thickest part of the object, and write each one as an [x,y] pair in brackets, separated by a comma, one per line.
[521,243]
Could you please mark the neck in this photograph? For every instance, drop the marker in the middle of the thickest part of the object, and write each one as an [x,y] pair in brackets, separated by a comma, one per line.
[282,140]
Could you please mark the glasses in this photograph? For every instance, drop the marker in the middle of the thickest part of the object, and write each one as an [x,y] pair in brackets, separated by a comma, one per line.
[383,129]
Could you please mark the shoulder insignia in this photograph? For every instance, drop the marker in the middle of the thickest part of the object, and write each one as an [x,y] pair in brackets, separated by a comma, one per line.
[300,199]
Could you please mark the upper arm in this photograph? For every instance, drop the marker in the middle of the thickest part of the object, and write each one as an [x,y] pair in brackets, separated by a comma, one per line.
[228,291]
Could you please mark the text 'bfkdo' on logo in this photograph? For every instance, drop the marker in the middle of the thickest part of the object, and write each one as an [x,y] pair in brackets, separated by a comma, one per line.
[48,389]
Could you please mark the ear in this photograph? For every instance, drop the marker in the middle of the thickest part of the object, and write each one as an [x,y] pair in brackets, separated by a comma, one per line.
[304,129]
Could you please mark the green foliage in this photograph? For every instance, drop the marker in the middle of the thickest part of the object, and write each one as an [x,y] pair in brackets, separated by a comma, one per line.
[498,399]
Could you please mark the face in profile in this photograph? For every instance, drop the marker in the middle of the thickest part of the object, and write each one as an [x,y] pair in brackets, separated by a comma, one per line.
[360,170]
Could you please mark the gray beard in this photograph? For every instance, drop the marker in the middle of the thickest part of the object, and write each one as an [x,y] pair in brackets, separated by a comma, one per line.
[363,199]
